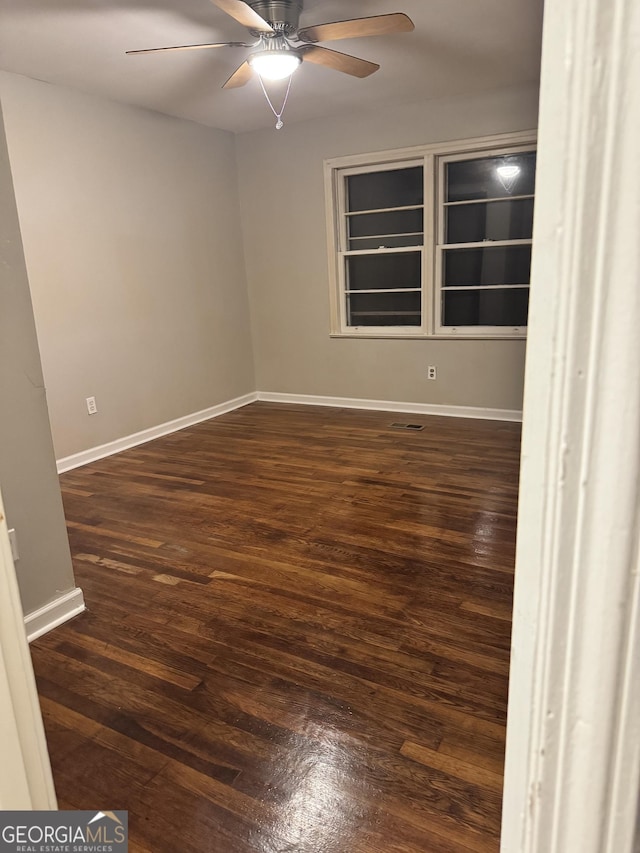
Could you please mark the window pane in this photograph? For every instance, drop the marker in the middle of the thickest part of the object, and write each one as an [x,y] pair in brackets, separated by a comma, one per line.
[468,179]
[402,222]
[486,307]
[493,265]
[399,241]
[386,271]
[383,309]
[498,220]
[377,190]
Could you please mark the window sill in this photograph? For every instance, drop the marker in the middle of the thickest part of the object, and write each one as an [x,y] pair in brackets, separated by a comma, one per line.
[426,337]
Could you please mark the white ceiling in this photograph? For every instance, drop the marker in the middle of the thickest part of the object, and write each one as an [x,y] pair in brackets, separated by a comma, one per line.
[458,47]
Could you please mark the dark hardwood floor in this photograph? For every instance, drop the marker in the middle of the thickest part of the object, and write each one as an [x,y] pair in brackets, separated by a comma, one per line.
[297,637]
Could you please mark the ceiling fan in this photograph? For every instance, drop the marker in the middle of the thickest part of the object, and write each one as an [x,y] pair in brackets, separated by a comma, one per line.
[280,44]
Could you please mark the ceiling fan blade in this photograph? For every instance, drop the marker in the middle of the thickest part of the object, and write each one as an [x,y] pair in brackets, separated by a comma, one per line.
[244,14]
[338,61]
[378,25]
[191,47]
[240,77]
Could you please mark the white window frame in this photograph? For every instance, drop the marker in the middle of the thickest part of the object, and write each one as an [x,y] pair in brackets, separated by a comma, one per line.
[343,250]
[441,247]
[432,158]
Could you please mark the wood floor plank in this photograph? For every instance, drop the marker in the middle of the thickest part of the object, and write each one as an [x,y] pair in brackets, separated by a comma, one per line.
[471,773]
[297,635]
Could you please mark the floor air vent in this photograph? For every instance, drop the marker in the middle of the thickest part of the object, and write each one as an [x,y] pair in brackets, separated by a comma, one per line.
[413,427]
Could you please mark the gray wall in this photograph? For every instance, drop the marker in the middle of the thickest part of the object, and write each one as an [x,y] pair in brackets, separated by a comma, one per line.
[27,466]
[283,217]
[131,230]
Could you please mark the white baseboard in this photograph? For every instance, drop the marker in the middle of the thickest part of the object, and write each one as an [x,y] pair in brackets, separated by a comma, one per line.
[94,453]
[120,444]
[61,609]
[513,415]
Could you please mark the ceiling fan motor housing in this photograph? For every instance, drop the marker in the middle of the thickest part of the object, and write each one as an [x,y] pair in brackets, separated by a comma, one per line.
[283,15]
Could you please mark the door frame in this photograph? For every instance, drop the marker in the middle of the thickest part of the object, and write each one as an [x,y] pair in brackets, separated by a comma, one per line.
[573,734]
[25,771]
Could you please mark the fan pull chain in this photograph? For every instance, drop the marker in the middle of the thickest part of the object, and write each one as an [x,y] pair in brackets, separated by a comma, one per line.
[278,115]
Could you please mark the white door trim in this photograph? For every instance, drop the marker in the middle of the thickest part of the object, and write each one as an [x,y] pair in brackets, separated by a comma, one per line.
[573,736]
[25,771]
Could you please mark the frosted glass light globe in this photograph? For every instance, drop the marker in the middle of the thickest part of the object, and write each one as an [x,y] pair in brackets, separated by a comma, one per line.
[274,65]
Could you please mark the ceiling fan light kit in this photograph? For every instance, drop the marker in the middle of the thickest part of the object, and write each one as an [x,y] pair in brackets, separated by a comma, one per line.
[281,46]
[274,65]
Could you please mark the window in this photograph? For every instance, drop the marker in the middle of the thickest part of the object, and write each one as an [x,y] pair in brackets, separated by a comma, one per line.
[433,241]
[384,236]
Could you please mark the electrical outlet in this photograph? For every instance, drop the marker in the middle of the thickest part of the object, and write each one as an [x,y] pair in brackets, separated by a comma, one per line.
[92,407]
[13,541]
[431,372]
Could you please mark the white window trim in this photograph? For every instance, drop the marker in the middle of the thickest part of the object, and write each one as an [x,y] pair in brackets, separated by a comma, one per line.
[337,168]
